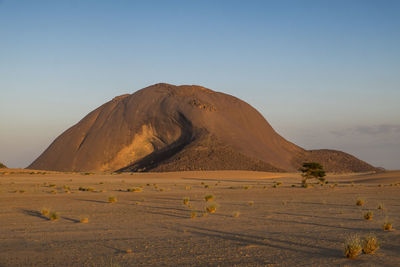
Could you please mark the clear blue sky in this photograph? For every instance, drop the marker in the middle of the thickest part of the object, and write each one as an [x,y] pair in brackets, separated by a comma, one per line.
[325,74]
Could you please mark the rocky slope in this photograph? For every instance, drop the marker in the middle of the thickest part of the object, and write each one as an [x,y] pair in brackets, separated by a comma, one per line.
[168,128]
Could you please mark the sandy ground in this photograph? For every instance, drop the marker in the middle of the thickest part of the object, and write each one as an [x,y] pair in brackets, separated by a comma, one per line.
[282,226]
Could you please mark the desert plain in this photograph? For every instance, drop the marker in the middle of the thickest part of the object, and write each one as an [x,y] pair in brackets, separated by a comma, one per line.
[261,219]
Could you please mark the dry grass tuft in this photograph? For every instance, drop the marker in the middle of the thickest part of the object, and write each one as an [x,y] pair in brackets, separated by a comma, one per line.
[236,214]
[211,208]
[352,247]
[135,189]
[209,198]
[89,189]
[250,203]
[84,220]
[360,202]
[370,244]
[128,251]
[193,214]
[368,215]
[305,185]
[112,199]
[381,207]
[45,212]
[186,201]
[387,225]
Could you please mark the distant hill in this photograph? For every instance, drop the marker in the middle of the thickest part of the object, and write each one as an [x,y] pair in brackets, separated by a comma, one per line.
[176,128]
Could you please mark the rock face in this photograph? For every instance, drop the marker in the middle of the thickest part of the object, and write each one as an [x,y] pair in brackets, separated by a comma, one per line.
[172,128]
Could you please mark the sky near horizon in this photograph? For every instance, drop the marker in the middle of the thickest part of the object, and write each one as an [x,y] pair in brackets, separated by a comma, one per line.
[325,74]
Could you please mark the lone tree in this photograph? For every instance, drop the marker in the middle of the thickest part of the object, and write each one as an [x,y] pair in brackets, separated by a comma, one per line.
[2,165]
[312,170]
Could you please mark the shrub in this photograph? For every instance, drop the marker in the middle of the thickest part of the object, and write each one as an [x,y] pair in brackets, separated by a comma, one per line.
[193,214]
[370,244]
[368,215]
[186,201]
[352,246]
[236,214]
[209,198]
[54,216]
[381,207]
[250,203]
[112,199]
[84,220]
[2,166]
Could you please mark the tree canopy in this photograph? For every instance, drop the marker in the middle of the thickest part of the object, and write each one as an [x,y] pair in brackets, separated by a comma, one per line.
[312,170]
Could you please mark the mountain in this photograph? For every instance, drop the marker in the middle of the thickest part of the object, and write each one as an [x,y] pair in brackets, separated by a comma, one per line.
[175,128]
